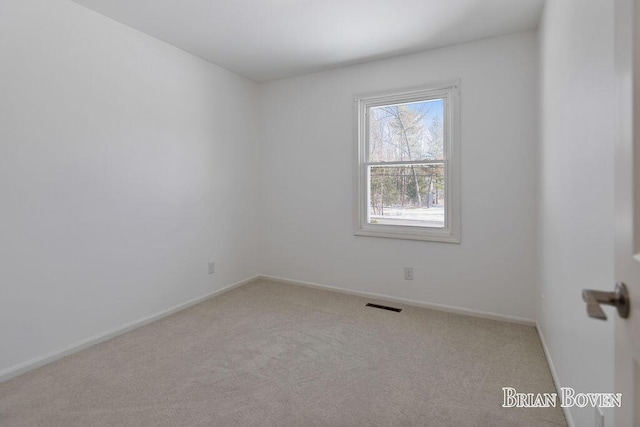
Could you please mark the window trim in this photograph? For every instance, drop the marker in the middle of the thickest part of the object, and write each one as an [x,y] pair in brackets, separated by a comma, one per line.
[451,232]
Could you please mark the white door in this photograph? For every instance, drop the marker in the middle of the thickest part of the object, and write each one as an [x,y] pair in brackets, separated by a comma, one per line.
[627,189]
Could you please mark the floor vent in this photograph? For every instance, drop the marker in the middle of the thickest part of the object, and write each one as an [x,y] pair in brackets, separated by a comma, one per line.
[384,307]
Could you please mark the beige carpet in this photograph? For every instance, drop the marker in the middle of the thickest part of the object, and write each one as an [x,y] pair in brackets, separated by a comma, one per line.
[270,354]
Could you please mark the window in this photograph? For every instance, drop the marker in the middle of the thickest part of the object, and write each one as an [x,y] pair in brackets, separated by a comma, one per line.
[408,181]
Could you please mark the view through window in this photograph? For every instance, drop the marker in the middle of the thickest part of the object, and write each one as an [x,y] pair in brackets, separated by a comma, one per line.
[406,164]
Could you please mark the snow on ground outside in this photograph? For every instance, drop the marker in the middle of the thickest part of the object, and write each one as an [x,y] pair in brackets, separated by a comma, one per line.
[417,217]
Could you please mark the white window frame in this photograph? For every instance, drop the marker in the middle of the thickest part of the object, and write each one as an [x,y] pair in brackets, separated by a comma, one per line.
[450,93]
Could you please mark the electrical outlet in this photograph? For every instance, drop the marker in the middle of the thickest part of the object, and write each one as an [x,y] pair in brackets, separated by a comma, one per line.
[408,273]
[212,267]
[599,419]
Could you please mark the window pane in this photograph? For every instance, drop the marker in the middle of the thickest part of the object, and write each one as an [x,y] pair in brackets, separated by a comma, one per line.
[407,132]
[407,195]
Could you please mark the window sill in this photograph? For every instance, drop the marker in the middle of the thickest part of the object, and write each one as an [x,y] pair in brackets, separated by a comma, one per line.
[408,233]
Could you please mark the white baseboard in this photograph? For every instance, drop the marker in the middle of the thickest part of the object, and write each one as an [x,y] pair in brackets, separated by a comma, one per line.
[554,374]
[37,362]
[415,303]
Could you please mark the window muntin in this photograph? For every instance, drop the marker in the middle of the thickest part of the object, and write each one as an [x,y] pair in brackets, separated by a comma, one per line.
[408,185]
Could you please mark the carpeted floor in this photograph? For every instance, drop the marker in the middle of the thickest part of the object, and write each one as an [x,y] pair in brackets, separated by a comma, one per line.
[271,354]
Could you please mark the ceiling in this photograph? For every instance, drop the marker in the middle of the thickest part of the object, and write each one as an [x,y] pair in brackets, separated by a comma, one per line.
[266,40]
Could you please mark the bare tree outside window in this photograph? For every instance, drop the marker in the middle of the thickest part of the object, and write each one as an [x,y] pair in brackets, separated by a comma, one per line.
[403,190]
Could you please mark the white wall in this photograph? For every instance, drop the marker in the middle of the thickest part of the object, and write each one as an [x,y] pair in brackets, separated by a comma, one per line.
[577,217]
[308,132]
[125,166]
